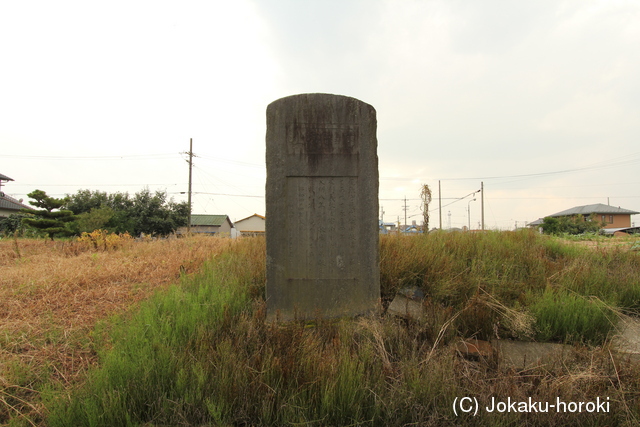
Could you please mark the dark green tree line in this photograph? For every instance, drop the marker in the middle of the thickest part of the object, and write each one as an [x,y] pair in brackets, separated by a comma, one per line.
[85,211]
[145,212]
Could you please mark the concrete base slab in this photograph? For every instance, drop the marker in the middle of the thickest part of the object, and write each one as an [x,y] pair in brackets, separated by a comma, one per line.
[627,341]
[407,308]
[526,355]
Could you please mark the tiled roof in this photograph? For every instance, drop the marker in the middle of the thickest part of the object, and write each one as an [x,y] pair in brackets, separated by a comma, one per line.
[5,178]
[8,202]
[598,208]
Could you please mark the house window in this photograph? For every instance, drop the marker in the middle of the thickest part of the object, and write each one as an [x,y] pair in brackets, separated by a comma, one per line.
[610,219]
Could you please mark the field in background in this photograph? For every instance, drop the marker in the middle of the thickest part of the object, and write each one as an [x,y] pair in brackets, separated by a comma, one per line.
[53,293]
[201,353]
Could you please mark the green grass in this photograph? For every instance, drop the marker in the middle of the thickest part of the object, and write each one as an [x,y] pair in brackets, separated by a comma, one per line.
[516,268]
[202,354]
[567,317]
[150,362]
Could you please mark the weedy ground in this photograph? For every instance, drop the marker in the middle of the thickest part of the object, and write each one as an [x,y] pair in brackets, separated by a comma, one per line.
[200,353]
[52,294]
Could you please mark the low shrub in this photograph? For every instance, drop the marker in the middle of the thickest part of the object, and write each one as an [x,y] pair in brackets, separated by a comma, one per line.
[103,240]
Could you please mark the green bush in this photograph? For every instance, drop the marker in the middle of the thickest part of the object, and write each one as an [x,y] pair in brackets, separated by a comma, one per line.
[572,225]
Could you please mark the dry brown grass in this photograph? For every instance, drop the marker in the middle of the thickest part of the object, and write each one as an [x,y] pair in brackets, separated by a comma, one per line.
[53,293]
[617,242]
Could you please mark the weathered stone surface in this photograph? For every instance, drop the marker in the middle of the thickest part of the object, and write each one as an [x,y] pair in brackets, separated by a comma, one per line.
[518,355]
[408,304]
[627,341]
[321,208]
[525,355]
[407,308]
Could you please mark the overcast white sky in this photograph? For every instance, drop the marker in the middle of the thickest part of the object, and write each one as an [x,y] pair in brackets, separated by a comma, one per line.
[540,100]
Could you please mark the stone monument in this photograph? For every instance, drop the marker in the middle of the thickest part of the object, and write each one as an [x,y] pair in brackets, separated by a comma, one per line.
[321,208]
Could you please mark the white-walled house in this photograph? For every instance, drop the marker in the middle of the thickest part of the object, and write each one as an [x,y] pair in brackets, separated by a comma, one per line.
[251,225]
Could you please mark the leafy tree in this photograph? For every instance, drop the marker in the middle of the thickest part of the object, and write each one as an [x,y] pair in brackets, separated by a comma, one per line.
[153,214]
[86,200]
[576,224]
[51,218]
[12,224]
[96,219]
[550,225]
[146,212]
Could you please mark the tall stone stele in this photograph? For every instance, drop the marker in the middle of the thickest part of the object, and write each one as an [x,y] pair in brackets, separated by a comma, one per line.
[322,208]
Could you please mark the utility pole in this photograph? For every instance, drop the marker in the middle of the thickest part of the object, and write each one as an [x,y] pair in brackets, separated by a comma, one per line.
[440,204]
[189,196]
[482,203]
[405,211]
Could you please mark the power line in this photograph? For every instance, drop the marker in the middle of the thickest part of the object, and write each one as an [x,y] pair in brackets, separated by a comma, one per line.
[563,197]
[598,165]
[456,200]
[115,157]
[625,160]
[91,185]
[219,194]
[235,162]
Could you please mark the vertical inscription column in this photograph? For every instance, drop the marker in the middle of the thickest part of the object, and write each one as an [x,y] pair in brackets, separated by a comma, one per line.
[322,208]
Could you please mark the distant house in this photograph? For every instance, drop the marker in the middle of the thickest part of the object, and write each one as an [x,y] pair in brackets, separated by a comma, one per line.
[611,216]
[387,227]
[536,223]
[253,225]
[9,205]
[411,229]
[209,224]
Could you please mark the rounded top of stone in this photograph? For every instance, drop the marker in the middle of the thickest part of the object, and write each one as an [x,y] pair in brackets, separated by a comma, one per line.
[317,97]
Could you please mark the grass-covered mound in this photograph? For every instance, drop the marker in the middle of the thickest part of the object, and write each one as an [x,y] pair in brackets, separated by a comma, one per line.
[569,289]
[202,354]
